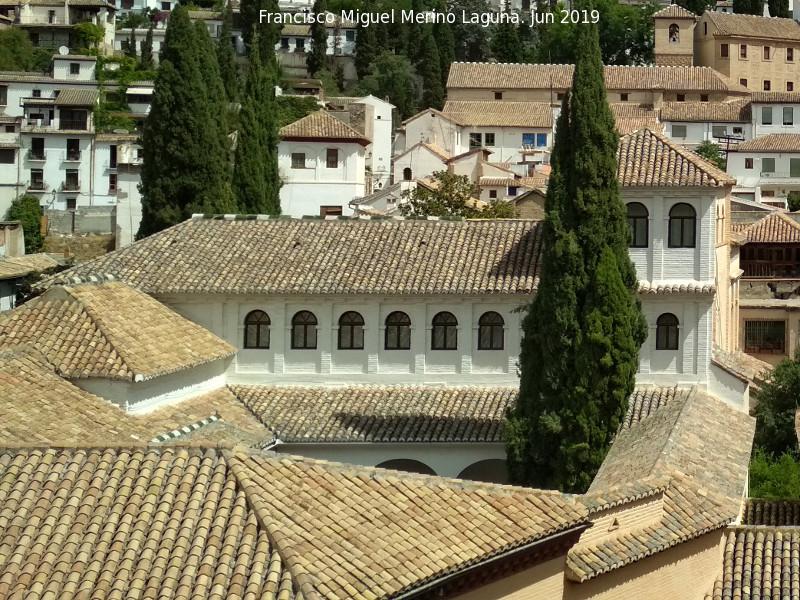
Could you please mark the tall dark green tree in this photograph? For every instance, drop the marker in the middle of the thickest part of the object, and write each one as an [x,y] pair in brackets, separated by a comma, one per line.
[186,155]
[748,7]
[215,88]
[366,44]
[392,77]
[430,66]
[778,8]
[146,62]
[226,56]
[471,39]
[506,46]
[269,32]
[131,50]
[585,326]
[255,178]
[316,58]
[445,44]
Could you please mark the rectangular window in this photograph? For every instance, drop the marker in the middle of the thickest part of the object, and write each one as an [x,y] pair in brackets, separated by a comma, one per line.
[474,140]
[350,35]
[299,45]
[330,211]
[681,97]
[36,94]
[767,85]
[748,163]
[298,160]
[3,95]
[37,179]
[332,158]
[488,140]
[790,55]
[512,191]
[623,97]
[73,120]
[528,139]
[743,51]
[541,140]
[112,183]
[743,82]
[7,156]
[719,130]
[788,115]
[72,203]
[71,180]
[112,158]
[284,43]
[794,167]
[498,95]
[559,97]
[492,193]
[765,337]
[723,50]
[766,53]
[166,6]
[678,131]
[10,129]
[74,68]
[767,165]
[703,97]
[37,149]
[737,131]
[789,86]
[73,149]
[766,115]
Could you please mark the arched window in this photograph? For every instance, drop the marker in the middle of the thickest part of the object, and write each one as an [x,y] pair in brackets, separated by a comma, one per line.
[667,332]
[682,222]
[674,33]
[407,174]
[398,331]
[445,332]
[490,331]
[256,329]
[304,331]
[351,331]
[637,223]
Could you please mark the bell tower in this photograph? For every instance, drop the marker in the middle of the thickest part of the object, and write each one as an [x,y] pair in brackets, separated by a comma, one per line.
[674,33]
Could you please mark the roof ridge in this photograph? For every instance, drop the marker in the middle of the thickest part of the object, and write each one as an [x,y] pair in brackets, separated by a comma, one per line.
[693,157]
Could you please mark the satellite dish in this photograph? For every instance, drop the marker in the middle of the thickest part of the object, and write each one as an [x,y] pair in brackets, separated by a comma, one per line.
[63,51]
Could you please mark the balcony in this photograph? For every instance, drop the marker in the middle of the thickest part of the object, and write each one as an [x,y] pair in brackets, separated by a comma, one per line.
[71,186]
[37,186]
[36,156]
[71,156]
[73,125]
[780,175]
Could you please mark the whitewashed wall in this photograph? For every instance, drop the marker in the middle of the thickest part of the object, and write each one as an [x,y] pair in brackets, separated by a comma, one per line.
[697,133]
[432,128]
[777,126]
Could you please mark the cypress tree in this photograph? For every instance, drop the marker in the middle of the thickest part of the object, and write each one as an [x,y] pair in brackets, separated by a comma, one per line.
[215,89]
[445,43]
[433,91]
[226,56]
[269,33]
[132,44]
[146,62]
[366,44]
[255,173]
[186,162]
[317,57]
[506,46]
[585,326]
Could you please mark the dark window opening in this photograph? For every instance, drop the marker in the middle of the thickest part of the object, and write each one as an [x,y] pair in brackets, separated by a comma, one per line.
[491,332]
[351,331]
[445,332]
[667,332]
[638,224]
[256,330]
[398,331]
[304,331]
[682,225]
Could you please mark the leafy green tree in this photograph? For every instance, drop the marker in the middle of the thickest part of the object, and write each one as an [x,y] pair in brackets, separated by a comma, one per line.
[506,46]
[146,62]
[430,65]
[226,56]
[366,44]
[585,326]
[471,39]
[28,211]
[131,49]
[289,109]
[317,58]
[710,151]
[269,33]
[186,152]
[794,201]
[87,36]
[774,478]
[392,77]
[18,54]
[452,195]
[749,7]
[778,8]
[255,177]
[778,400]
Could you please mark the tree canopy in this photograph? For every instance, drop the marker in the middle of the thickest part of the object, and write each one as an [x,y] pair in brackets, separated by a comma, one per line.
[451,195]
[17,53]
[28,211]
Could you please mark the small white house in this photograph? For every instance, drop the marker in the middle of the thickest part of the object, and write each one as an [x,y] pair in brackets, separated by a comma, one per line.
[767,167]
[322,166]
[723,123]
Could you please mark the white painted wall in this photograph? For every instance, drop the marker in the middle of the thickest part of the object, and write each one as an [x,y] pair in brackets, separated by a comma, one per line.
[381,147]
[305,190]
[55,167]
[780,181]
[422,162]
[507,145]
[429,126]
[146,396]
[62,69]
[777,126]
[731,389]
[697,133]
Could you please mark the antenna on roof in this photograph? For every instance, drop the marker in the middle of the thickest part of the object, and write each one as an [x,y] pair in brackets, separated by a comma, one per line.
[63,50]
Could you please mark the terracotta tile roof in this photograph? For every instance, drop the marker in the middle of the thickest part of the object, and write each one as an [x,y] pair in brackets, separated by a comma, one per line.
[296,30]
[759,563]
[97,330]
[506,76]
[205,15]
[683,436]
[776,142]
[499,114]
[378,413]
[625,494]
[146,523]
[650,159]
[775,228]
[344,256]
[645,287]
[321,125]
[646,401]
[688,511]
[775,97]
[38,406]
[752,26]
[20,266]
[356,533]
[194,523]
[632,117]
[77,97]
[673,11]
[772,513]
[733,111]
